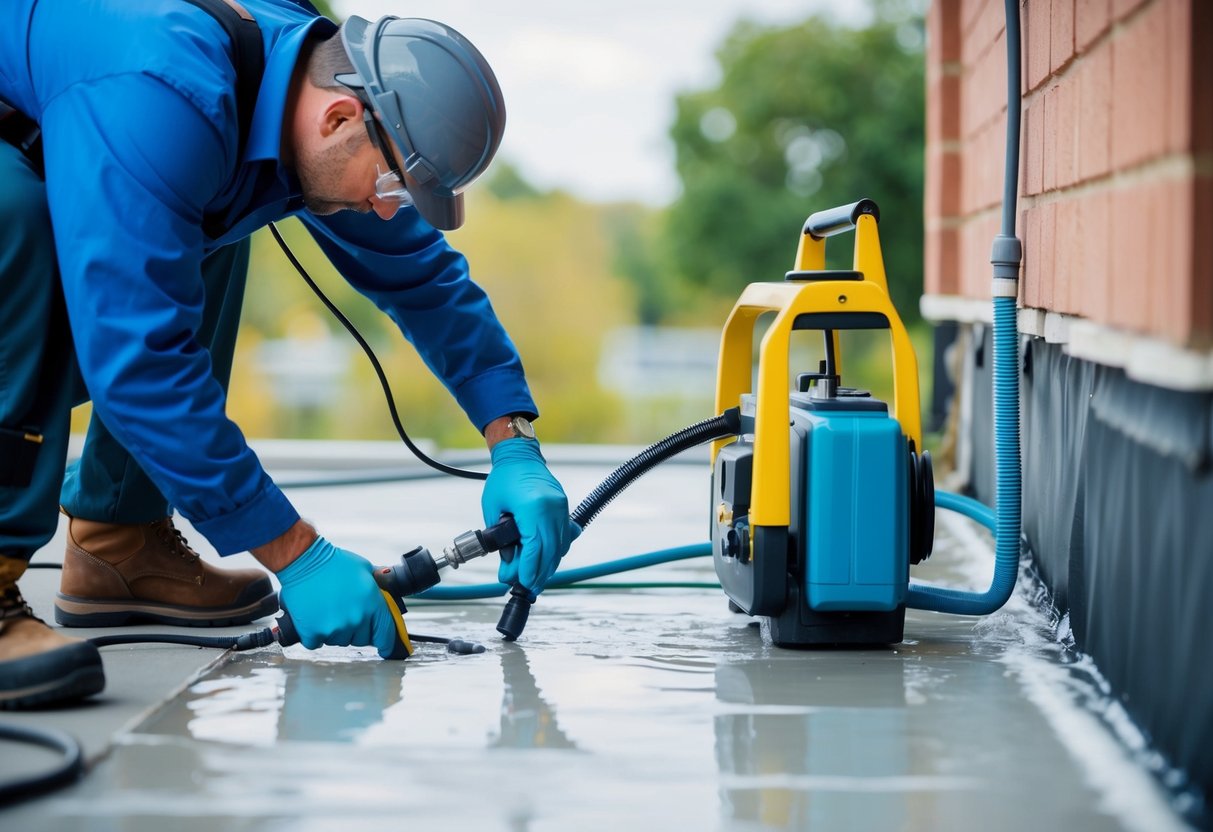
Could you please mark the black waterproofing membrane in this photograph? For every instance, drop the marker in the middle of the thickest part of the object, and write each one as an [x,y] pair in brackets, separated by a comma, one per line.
[1118,517]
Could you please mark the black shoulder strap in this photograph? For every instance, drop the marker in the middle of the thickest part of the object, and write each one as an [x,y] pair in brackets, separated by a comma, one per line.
[22,133]
[248,59]
[248,56]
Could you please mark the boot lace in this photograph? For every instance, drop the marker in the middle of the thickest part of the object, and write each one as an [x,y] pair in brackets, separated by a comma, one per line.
[171,536]
[13,605]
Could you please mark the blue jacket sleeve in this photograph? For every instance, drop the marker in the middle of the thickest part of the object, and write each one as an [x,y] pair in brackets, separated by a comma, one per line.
[408,270]
[130,163]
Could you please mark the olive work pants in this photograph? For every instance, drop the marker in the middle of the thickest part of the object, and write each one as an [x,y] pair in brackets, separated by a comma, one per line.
[40,381]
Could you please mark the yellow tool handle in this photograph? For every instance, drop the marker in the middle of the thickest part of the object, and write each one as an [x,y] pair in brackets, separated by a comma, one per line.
[404,646]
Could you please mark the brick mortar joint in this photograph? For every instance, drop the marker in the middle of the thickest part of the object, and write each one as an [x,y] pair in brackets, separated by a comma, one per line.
[1114,31]
[944,222]
[959,221]
[1067,69]
[1169,168]
[946,147]
[1118,26]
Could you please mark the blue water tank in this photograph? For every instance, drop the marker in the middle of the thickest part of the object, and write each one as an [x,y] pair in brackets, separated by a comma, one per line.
[855,528]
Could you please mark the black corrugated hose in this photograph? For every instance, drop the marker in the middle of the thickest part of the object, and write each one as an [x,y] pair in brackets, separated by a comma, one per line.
[718,427]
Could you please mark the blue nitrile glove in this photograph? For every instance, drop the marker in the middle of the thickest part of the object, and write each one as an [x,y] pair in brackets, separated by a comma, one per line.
[521,484]
[332,598]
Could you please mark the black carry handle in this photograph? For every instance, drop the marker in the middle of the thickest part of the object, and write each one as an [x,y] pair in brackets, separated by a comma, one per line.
[838,220]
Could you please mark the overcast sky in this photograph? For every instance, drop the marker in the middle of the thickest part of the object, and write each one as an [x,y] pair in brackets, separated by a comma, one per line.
[589,87]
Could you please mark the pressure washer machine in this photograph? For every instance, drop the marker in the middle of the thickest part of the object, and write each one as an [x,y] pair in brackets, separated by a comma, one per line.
[826,498]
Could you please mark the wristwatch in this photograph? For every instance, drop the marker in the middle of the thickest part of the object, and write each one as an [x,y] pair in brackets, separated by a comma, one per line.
[520,427]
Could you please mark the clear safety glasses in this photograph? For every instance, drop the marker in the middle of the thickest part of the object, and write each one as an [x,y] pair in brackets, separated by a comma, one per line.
[389,184]
[390,188]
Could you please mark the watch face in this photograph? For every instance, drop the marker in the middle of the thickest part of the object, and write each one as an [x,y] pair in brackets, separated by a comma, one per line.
[522,427]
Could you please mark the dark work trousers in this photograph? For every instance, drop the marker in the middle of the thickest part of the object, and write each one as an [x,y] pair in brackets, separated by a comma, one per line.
[40,381]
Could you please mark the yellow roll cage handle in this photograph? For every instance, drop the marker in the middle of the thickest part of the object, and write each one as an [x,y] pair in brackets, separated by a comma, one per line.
[770,498]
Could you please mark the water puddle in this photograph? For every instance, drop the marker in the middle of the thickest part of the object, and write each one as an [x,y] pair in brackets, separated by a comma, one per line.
[651,709]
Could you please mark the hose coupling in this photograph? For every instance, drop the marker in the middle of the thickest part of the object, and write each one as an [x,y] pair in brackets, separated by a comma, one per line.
[465,547]
[477,544]
[1006,256]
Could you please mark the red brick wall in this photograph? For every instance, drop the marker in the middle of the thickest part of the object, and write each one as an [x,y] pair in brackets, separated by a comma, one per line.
[1116,160]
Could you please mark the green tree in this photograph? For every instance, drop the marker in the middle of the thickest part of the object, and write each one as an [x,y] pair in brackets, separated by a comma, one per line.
[805,117]
[326,9]
[506,182]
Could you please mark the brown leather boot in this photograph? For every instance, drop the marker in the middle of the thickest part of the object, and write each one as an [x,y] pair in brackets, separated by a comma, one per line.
[37,665]
[129,574]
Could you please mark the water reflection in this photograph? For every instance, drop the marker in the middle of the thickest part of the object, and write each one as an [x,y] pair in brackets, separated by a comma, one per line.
[798,745]
[527,719]
[326,702]
[267,698]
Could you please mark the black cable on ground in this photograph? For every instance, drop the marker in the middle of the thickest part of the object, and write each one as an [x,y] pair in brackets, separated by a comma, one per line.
[219,642]
[254,639]
[69,769]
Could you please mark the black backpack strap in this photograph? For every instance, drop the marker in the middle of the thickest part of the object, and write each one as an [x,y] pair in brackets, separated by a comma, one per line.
[22,133]
[248,59]
[248,55]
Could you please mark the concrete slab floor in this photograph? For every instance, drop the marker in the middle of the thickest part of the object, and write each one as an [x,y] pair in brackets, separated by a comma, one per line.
[643,709]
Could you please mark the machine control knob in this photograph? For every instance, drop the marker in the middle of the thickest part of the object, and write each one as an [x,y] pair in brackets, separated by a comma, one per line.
[737,542]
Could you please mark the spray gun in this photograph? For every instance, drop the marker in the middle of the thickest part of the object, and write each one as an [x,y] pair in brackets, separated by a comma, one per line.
[417,571]
[423,571]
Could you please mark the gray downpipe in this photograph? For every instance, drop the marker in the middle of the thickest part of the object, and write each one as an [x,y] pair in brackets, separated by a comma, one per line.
[1006,257]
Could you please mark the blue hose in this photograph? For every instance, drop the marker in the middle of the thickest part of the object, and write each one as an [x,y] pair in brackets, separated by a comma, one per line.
[943,499]
[1006,524]
[1006,258]
[571,576]
[973,509]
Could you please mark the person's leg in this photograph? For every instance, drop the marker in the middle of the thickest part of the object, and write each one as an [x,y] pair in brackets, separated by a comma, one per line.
[37,370]
[125,561]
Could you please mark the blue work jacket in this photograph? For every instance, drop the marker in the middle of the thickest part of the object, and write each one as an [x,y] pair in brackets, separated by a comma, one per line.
[136,99]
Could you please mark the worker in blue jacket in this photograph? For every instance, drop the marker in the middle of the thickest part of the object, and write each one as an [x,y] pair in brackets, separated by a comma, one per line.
[123,257]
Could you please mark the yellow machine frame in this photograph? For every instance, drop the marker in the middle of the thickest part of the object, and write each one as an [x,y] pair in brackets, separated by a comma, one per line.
[770,499]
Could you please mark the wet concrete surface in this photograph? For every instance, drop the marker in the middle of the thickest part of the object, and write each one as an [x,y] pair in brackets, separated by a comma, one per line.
[642,709]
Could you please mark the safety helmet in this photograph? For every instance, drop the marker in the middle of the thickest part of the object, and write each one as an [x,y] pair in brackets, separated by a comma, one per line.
[439,101]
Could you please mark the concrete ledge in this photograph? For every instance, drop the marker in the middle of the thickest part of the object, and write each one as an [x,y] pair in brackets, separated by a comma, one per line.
[1143,358]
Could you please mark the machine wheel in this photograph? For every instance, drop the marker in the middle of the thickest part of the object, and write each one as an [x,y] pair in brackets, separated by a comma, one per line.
[926,480]
[922,507]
